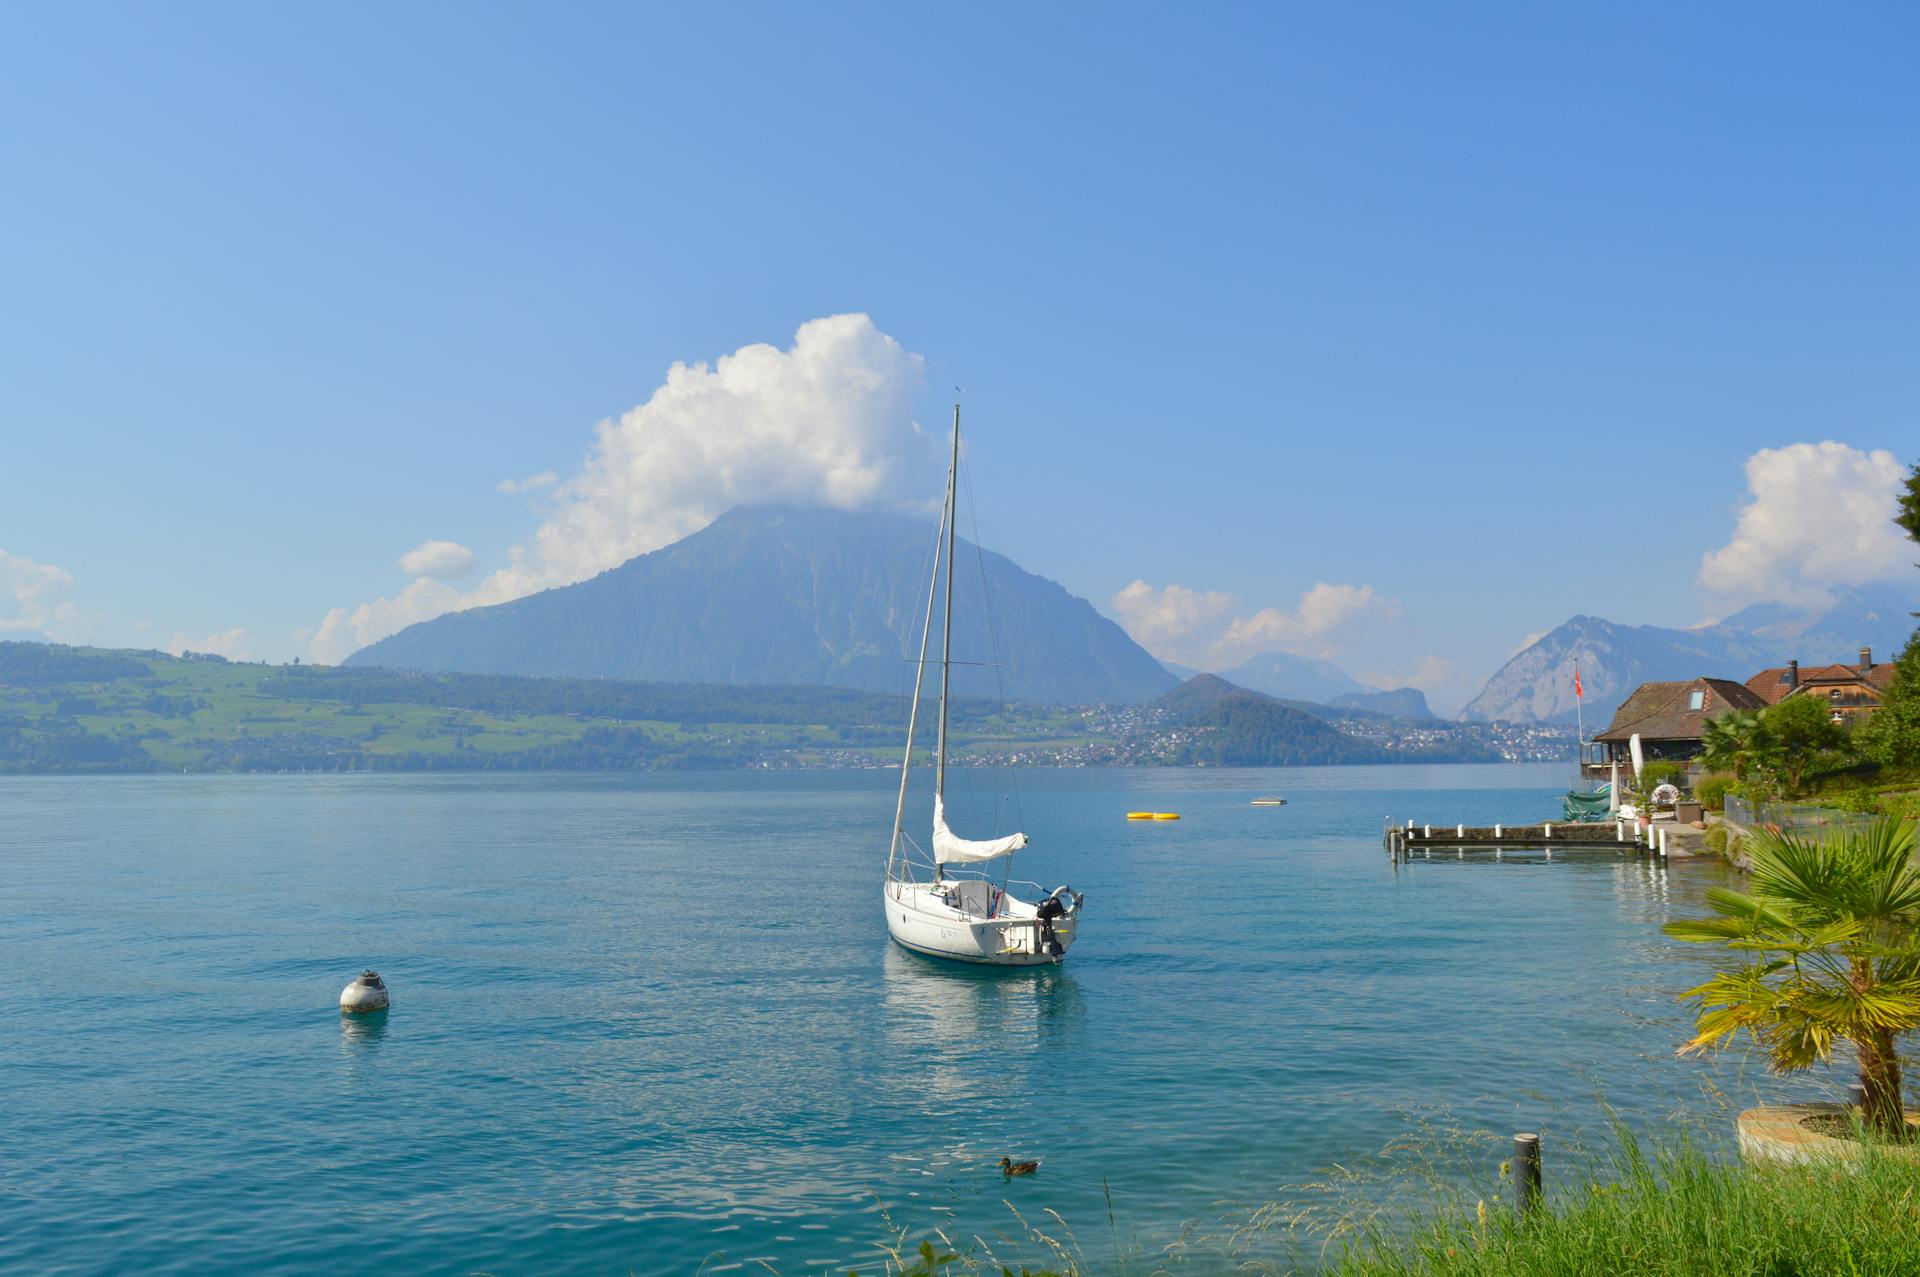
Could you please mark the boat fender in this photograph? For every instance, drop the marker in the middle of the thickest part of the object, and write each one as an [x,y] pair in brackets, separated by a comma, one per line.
[368,993]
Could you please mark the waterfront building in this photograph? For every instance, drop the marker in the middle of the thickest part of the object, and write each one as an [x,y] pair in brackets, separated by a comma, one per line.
[1851,691]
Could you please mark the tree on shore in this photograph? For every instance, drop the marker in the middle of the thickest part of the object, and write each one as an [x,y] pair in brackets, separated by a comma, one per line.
[1891,736]
[1833,930]
[1802,734]
[1736,741]
[1909,516]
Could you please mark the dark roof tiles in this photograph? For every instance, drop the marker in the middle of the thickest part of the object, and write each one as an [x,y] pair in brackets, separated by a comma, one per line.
[1665,711]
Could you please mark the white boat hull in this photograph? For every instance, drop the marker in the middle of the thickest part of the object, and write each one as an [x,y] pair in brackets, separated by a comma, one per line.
[920,918]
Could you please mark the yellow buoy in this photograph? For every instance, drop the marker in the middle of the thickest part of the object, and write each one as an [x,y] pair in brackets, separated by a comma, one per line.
[1139,815]
[1166,815]
[1153,815]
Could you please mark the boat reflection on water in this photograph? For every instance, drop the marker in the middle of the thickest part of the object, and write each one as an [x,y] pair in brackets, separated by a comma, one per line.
[975,1026]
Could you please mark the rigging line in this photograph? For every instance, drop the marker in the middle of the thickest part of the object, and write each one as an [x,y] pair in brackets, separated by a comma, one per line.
[999,675]
[913,710]
[993,640]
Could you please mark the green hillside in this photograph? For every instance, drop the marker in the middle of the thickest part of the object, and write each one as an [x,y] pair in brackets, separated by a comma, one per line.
[1257,731]
[65,709]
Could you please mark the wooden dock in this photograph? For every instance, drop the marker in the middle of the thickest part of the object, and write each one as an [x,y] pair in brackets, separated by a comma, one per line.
[1413,840]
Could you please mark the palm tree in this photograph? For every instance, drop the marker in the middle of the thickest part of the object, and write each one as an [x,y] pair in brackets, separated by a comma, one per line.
[1734,741]
[1833,928]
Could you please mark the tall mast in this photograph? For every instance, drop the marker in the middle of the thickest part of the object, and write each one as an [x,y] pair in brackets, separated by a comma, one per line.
[913,715]
[946,638]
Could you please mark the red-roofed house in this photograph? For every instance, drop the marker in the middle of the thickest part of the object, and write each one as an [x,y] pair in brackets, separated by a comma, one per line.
[1850,691]
[1668,717]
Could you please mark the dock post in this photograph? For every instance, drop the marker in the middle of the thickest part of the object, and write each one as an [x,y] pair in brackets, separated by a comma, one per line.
[1427,831]
[1526,1173]
[1459,831]
[1549,829]
[1663,844]
[1496,833]
[1619,831]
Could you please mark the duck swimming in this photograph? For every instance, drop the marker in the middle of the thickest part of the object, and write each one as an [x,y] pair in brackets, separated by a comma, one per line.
[1010,1167]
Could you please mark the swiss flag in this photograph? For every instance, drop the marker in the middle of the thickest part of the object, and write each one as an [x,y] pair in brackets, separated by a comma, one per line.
[1578,694]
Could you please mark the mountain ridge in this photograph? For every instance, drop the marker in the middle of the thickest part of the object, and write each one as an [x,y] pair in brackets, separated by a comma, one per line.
[797,596]
[1536,683]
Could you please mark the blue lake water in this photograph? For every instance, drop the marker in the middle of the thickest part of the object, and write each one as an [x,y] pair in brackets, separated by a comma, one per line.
[646,1024]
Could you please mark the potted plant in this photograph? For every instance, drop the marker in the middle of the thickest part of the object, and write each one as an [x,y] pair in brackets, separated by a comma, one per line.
[1830,929]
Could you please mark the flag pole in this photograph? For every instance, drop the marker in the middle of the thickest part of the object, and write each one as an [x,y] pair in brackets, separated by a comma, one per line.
[1579,704]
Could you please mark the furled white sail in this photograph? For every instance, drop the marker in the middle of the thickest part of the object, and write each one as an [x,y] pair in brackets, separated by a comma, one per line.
[948,849]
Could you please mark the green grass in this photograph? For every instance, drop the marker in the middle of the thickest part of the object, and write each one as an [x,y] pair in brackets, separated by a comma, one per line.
[1673,1213]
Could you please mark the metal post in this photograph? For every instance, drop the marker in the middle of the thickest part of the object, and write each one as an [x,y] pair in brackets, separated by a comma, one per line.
[1496,832]
[1526,1173]
[1459,831]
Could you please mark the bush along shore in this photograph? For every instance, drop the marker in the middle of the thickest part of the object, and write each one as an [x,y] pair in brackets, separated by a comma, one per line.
[1675,1212]
[1672,1209]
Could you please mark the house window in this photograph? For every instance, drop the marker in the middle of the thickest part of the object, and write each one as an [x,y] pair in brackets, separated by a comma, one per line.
[1696,700]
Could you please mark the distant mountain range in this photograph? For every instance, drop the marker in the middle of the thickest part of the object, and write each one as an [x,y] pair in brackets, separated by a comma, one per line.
[1307,683]
[1409,704]
[1229,726]
[1293,677]
[794,596]
[1536,685]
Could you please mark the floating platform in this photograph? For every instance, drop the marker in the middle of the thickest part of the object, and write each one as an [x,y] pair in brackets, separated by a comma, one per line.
[1618,836]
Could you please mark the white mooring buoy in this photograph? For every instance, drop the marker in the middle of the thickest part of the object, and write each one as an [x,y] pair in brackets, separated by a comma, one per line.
[368,993]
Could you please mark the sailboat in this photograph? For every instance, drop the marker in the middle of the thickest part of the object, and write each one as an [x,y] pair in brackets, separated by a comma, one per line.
[948,906]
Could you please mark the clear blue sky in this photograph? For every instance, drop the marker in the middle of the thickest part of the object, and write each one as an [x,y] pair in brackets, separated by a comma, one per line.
[1246,298]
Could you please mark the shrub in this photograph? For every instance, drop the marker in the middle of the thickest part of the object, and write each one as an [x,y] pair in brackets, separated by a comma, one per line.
[1713,788]
[1660,772]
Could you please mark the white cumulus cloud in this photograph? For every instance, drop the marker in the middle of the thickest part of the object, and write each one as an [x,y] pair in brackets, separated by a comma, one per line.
[1817,515]
[1199,627]
[1429,674]
[532,483]
[32,595]
[1164,619]
[826,421]
[437,558]
[234,644]
[343,631]
[1322,610]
